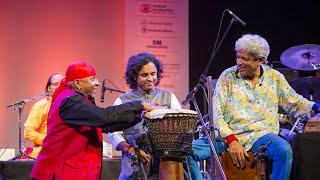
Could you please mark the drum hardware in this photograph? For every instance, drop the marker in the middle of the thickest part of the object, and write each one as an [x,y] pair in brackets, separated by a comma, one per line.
[214,160]
[137,163]
[299,124]
[260,154]
[210,140]
[286,118]
[304,57]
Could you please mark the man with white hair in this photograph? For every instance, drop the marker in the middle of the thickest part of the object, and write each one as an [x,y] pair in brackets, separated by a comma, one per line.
[247,97]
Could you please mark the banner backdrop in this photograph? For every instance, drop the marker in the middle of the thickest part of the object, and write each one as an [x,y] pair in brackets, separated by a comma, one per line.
[160,28]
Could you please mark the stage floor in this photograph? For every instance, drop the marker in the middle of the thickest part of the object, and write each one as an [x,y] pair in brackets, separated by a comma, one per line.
[306,158]
[20,169]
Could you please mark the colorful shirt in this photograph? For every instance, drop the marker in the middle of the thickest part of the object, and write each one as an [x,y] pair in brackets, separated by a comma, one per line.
[35,127]
[251,112]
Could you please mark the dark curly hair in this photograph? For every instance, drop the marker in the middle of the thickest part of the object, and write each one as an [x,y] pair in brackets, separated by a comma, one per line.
[135,64]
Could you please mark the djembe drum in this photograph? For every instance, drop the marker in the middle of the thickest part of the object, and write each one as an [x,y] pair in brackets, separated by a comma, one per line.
[170,135]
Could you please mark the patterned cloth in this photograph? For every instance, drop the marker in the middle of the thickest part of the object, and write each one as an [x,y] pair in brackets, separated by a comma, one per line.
[251,112]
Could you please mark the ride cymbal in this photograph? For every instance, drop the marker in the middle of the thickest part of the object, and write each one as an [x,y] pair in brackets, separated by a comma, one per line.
[304,57]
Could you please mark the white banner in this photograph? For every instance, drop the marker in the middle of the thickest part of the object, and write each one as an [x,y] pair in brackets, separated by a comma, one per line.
[160,28]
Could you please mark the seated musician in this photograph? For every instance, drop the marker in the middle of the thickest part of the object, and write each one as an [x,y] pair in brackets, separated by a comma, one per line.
[246,103]
[143,74]
[35,127]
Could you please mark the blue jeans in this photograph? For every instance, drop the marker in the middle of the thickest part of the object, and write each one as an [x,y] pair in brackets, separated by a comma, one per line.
[200,151]
[280,152]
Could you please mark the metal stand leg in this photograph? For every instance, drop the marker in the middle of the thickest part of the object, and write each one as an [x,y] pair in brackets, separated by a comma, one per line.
[215,155]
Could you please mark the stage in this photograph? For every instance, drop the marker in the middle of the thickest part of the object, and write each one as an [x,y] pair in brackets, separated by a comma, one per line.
[20,169]
[306,157]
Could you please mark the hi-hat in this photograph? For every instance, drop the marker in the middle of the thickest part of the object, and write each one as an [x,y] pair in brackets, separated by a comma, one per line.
[304,57]
[308,87]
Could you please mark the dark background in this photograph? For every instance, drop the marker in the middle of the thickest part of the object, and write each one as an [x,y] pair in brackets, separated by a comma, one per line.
[283,24]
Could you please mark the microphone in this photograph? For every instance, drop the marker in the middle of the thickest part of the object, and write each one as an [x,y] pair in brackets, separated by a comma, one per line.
[190,94]
[236,17]
[103,89]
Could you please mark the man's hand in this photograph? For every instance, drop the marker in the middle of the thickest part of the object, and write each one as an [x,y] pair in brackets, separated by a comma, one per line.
[150,107]
[127,148]
[238,154]
[146,158]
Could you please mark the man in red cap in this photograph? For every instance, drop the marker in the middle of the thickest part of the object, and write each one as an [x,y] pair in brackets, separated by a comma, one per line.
[73,145]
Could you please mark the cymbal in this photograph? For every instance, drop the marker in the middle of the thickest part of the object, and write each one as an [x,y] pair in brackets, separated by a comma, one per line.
[304,57]
[308,87]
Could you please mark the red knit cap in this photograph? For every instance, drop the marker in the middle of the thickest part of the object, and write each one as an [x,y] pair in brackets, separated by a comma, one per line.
[79,70]
[76,70]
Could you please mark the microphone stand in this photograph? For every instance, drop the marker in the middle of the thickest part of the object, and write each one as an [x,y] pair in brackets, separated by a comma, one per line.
[114,90]
[202,78]
[216,157]
[104,88]
[190,96]
[20,106]
[137,160]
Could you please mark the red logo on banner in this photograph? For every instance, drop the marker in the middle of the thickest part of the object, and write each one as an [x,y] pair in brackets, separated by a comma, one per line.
[145,8]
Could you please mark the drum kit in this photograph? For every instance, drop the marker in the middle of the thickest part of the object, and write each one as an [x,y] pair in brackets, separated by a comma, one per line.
[304,57]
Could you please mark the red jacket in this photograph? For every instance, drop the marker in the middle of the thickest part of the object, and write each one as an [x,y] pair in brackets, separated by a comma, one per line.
[69,151]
